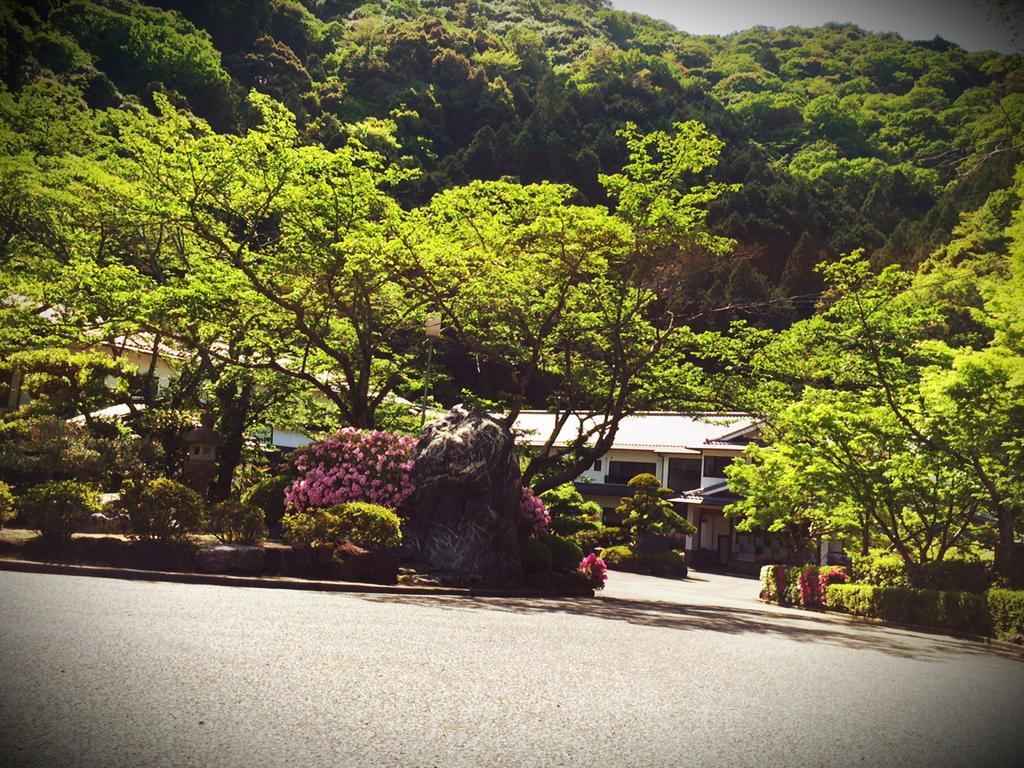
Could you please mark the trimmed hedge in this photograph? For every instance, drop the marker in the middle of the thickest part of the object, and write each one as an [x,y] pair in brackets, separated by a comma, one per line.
[959,611]
[887,569]
[668,563]
[804,586]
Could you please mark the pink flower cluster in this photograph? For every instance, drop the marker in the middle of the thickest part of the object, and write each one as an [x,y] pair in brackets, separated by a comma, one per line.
[353,465]
[533,515]
[594,570]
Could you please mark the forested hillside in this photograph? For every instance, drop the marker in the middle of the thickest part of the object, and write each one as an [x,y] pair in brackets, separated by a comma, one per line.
[841,139]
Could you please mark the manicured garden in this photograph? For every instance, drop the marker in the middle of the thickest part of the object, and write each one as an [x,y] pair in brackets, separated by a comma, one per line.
[954,595]
[333,510]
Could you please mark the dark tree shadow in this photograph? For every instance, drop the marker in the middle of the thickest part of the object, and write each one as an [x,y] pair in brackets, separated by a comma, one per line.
[802,626]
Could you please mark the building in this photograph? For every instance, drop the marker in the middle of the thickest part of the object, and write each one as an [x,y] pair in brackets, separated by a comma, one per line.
[688,453]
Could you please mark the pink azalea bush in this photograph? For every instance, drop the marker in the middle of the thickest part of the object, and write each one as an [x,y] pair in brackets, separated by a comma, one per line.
[353,465]
[594,570]
[533,515]
[803,586]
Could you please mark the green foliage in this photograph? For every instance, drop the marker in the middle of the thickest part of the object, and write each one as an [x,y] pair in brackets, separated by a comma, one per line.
[58,508]
[233,521]
[886,569]
[958,611]
[313,527]
[647,509]
[535,557]
[669,563]
[369,526]
[366,525]
[880,569]
[162,509]
[565,553]
[570,513]
[606,536]
[8,510]
[268,495]
[1006,609]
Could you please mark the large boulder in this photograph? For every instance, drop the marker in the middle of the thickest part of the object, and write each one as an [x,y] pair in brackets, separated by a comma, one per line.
[461,520]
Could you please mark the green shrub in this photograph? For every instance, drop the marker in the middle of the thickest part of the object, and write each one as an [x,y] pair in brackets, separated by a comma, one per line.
[671,563]
[565,553]
[880,569]
[802,585]
[958,611]
[602,538]
[570,512]
[368,525]
[268,495]
[234,521]
[887,569]
[313,527]
[962,575]
[1006,611]
[162,509]
[535,557]
[616,555]
[7,508]
[58,508]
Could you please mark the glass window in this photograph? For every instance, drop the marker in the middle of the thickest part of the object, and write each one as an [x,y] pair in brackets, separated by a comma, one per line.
[621,472]
[683,474]
[597,465]
[714,466]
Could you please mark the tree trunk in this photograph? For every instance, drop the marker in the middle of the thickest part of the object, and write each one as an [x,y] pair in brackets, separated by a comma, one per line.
[1006,549]
[235,407]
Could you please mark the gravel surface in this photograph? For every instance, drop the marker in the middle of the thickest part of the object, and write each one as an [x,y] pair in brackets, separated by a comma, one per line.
[99,672]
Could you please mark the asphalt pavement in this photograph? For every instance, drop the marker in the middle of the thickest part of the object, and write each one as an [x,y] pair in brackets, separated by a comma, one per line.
[98,672]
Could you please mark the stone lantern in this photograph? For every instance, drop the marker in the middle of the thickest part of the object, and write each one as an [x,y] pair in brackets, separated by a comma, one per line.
[201,464]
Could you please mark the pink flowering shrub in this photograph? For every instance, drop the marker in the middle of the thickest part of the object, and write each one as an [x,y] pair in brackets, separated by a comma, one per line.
[533,515]
[353,465]
[594,570]
[804,586]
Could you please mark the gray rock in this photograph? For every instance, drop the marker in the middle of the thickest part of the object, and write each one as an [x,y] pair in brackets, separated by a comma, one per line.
[230,558]
[462,517]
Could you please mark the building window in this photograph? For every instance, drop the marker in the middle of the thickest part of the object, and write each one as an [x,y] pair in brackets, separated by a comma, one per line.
[597,465]
[683,474]
[621,472]
[714,466]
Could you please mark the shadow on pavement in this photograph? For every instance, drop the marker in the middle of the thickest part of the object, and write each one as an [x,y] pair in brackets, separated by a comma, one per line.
[802,627]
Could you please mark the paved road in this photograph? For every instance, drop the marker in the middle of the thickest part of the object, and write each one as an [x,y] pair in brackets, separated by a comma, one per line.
[100,672]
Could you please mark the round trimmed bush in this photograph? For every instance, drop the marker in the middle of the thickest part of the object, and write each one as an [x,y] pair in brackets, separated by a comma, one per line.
[366,525]
[268,495]
[369,525]
[608,536]
[59,508]
[163,509]
[565,553]
[312,527]
[235,521]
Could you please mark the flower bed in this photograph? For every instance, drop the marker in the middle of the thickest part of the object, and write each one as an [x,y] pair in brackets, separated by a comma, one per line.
[804,586]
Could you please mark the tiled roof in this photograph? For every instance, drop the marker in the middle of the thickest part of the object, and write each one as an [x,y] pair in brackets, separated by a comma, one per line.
[662,431]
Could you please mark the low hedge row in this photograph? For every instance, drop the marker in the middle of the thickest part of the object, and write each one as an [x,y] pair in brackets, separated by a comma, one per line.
[887,569]
[802,585]
[998,612]
[669,563]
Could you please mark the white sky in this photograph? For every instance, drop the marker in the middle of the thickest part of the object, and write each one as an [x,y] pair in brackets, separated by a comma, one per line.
[969,23]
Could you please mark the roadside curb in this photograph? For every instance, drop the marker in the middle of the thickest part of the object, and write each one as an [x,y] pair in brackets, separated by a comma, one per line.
[982,639]
[264,582]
